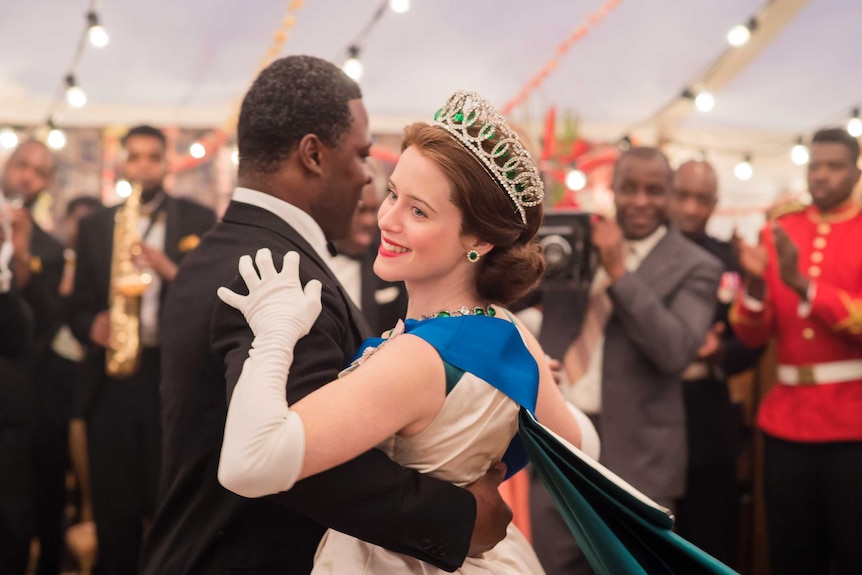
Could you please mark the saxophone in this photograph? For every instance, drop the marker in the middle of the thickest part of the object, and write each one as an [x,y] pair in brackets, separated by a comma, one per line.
[127,286]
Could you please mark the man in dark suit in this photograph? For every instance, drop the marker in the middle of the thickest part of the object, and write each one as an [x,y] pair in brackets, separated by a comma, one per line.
[37,268]
[122,418]
[382,302]
[303,139]
[707,513]
[651,304]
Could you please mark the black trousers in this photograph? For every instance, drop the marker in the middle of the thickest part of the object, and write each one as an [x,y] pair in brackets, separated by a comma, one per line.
[16,501]
[814,506]
[124,447]
[55,380]
[707,514]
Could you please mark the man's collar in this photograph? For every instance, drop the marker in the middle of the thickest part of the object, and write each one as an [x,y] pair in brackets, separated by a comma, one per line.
[644,246]
[300,221]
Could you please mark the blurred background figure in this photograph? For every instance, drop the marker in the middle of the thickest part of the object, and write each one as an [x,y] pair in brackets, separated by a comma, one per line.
[707,513]
[382,303]
[59,398]
[123,437]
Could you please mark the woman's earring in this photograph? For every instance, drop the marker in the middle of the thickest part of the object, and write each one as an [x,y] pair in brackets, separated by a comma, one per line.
[473,256]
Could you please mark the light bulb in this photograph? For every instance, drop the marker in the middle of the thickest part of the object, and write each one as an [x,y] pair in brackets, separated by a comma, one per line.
[739,35]
[8,138]
[576,180]
[98,36]
[799,154]
[399,6]
[197,150]
[56,139]
[854,127]
[743,170]
[123,188]
[353,68]
[76,96]
[234,156]
[704,102]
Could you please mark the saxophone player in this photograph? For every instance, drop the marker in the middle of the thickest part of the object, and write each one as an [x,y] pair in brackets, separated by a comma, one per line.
[122,412]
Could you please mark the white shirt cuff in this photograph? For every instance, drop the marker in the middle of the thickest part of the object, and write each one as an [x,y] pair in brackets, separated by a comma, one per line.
[752,304]
[804,309]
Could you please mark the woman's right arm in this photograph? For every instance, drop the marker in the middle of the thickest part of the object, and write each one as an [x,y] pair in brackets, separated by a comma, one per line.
[552,409]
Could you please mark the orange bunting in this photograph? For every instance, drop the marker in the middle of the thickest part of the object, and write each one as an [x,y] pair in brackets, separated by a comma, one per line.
[561,50]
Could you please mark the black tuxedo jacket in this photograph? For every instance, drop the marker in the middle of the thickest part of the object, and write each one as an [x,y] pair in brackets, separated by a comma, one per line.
[383,302]
[185,223]
[42,292]
[200,527]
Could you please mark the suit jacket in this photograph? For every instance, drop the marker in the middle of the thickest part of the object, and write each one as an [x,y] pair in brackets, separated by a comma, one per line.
[661,315]
[200,527]
[185,222]
[383,302]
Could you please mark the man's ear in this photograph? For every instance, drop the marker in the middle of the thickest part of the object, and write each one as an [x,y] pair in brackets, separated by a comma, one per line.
[310,153]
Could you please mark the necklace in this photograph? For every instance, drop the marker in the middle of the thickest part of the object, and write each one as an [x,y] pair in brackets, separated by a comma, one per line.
[478,310]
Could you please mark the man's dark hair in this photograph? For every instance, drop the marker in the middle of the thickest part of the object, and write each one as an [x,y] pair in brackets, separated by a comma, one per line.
[643,153]
[92,203]
[291,98]
[148,131]
[838,136]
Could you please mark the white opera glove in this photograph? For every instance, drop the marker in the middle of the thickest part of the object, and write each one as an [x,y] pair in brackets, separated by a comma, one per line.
[264,442]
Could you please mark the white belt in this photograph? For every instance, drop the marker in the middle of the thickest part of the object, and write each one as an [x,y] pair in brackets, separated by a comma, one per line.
[820,373]
[696,370]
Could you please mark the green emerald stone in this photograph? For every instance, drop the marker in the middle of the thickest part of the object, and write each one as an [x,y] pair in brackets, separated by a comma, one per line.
[444,314]
[459,117]
[491,312]
[478,311]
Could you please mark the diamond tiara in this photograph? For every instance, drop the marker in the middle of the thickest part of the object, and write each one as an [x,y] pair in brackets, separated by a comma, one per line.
[468,113]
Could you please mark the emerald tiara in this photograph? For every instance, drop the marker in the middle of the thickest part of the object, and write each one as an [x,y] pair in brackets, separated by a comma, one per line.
[508,162]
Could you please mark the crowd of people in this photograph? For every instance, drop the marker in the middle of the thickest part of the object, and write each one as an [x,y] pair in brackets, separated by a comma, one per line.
[256,433]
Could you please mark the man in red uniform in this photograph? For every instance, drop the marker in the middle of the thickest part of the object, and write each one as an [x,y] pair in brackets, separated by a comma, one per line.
[804,286]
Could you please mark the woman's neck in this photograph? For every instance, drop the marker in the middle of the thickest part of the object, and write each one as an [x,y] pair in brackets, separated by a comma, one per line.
[428,298]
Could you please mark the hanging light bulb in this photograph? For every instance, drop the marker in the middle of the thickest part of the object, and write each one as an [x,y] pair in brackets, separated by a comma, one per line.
[352,66]
[234,155]
[799,153]
[704,101]
[576,180]
[96,33]
[123,188]
[197,150]
[854,126]
[74,94]
[8,138]
[399,6]
[56,138]
[743,169]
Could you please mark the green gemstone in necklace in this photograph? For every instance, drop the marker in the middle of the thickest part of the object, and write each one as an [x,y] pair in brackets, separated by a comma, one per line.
[462,311]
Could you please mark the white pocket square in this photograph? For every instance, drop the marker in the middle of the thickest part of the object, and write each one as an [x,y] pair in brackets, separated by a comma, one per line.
[386,295]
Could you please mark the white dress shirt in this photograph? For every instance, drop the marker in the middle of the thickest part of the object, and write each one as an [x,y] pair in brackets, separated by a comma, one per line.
[349,273]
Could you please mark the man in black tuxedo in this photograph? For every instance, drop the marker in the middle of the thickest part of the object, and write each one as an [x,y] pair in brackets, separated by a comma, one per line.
[37,268]
[122,416]
[382,302]
[707,514]
[303,139]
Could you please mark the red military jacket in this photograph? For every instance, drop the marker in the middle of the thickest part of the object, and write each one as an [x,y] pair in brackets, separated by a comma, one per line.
[830,256]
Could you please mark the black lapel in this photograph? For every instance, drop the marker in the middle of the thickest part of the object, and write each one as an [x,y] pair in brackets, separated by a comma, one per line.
[249,215]
[173,223]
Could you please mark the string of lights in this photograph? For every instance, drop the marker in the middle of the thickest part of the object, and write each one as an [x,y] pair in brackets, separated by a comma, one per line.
[94,34]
